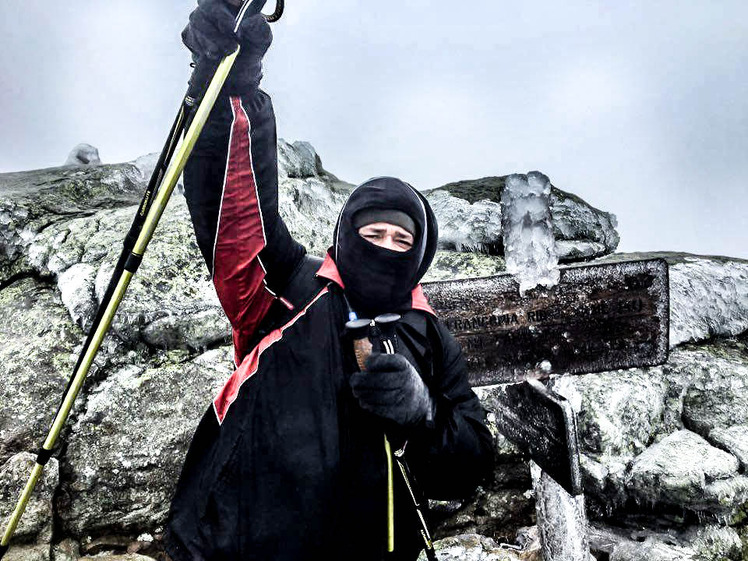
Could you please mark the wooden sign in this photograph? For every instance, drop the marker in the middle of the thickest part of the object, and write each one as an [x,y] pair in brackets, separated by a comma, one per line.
[542,424]
[597,318]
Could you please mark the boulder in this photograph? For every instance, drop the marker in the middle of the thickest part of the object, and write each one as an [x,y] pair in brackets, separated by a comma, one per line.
[83,155]
[36,524]
[469,214]
[692,543]
[685,471]
[127,447]
[36,362]
[32,201]
[474,547]
[734,440]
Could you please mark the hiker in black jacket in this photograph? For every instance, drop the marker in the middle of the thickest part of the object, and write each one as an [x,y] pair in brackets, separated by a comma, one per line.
[290,462]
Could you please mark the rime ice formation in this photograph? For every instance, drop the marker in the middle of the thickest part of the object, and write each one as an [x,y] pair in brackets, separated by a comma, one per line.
[529,245]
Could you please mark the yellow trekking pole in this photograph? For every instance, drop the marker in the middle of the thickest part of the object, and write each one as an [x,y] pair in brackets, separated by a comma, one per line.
[192,116]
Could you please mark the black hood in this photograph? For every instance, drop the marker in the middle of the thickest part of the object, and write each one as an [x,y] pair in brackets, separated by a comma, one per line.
[379,280]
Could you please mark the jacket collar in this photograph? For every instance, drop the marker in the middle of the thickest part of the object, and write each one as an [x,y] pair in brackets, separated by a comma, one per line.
[329,270]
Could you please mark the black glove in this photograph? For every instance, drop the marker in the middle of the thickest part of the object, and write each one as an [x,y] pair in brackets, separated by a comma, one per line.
[210,35]
[392,388]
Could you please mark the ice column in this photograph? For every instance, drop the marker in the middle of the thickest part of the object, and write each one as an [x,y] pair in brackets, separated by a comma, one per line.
[527,229]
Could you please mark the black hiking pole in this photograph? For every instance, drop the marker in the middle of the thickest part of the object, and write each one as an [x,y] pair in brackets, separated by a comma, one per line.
[205,85]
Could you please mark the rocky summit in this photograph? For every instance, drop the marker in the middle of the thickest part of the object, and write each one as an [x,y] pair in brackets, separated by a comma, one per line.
[663,449]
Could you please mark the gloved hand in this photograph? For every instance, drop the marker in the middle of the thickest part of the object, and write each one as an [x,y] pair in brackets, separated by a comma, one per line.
[392,388]
[210,35]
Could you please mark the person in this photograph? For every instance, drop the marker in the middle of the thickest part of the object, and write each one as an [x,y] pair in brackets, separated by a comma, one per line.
[292,460]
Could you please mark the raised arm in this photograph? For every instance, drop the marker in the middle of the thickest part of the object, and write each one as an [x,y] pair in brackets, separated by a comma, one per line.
[231,179]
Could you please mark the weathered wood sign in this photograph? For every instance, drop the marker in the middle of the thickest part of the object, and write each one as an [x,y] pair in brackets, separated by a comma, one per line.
[597,318]
[542,424]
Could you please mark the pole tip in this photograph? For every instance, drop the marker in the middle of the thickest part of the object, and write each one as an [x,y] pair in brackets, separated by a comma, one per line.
[3,550]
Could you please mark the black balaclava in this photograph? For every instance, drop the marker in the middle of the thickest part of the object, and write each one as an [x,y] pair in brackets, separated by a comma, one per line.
[379,280]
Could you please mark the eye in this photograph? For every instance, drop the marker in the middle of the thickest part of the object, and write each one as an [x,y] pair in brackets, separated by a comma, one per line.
[404,242]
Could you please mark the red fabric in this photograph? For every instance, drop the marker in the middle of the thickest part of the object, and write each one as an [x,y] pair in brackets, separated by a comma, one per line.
[329,270]
[237,273]
[420,302]
[250,364]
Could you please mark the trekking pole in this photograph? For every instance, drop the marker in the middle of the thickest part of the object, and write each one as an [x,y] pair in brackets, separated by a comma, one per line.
[205,85]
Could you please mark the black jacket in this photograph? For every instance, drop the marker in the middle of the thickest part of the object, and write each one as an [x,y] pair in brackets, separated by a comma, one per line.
[285,465]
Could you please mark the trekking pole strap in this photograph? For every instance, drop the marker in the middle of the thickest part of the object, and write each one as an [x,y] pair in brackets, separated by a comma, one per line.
[133,262]
[43,456]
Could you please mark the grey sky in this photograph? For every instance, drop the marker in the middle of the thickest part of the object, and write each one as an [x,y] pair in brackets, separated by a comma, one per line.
[640,107]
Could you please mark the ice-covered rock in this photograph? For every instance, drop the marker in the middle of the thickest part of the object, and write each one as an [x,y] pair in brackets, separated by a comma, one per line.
[529,245]
[474,547]
[709,297]
[581,231]
[127,447]
[708,294]
[464,226]
[83,155]
[33,201]
[685,471]
[710,542]
[734,440]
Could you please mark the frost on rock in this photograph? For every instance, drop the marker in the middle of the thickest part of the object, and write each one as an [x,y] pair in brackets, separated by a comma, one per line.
[709,297]
[464,226]
[684,470]
[529,245]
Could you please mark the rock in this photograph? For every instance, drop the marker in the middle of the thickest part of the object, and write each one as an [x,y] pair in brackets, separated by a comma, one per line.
[83,155]
[298,160]
[37,552]
[706,543]
[619,412]
[708,294]
[32,201]
[76,286]
[173,271]
[709,297]
[454,265]
[716,394]
[468,227]
[37,521]
[126,449]
[146,164]
[684,470]
[66,550]
[734,440]
[574,221]
[36,361]
[474,547]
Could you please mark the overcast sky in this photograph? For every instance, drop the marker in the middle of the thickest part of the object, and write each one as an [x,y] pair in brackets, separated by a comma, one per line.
[639,107]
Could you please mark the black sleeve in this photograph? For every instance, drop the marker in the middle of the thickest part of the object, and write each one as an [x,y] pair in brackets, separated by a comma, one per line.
[454,455]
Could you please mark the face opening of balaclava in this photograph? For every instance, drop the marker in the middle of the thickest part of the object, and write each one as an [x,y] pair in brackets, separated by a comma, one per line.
[380,280]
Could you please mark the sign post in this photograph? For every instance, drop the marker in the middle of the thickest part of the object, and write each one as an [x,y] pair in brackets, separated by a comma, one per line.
[545,321]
